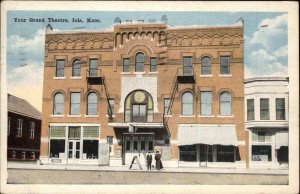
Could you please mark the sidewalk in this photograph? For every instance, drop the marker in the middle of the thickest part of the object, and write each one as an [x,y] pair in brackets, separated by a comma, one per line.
[125,168]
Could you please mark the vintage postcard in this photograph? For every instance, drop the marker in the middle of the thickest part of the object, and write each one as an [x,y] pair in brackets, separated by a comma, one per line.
[149,97]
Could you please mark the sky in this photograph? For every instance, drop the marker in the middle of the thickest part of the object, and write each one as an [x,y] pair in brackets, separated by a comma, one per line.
[265,46]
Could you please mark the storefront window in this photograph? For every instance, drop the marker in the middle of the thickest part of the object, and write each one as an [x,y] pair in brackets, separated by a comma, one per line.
[283,154]
[187,153]
[90,149]
[57,146]
[225,153]
[261,153]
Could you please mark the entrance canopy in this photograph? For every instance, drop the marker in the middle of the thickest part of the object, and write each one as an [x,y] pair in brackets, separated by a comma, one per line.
[282,139]
[207,134]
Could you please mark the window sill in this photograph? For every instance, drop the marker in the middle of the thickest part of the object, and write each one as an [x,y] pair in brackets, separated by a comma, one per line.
[139,73]
[57,115]
[225,116]
[187,116]
[125,73]
[91,116]
[74,115]
[206,116]
[75,78]
[168,115]
[209,75]
[59,78]
[111,115]
[154,72]
[225,75]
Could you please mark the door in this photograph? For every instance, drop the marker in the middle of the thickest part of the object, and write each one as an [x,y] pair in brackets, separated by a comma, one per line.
[138,145]
[139,113]
[73,151]
[203,155]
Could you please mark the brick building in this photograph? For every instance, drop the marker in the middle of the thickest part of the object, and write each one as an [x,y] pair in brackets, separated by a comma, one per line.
[23,130]
[141,87]
[266,99]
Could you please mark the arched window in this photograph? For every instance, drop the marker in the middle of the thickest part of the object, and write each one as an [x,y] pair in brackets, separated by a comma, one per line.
[76,68]
[139,62]
[205,66]
[139,107]
[58,106]
[92,104]
[225,104]
[187,104]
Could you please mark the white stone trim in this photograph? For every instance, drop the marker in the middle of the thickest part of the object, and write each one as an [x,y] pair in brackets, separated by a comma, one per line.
[206,125]
[225,75]
[59,78]
[225,116]
[57,115]
[74,124]
[206,116]
[173,141]
[91,116]
[44,139]
[208,75]
[187,116]
[75,77]
[242,142]
[129,84]
[74,115]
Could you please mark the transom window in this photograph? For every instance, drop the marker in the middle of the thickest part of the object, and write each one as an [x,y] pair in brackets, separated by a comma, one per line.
[187,104]
[92,103]
[205,66]
[139,107]
[58,104]
[139,62]
[76,68]
[225,104]
[60,68]
[225,66]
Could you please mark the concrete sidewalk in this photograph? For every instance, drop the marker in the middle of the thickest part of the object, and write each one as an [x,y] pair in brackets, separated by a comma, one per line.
[31,165]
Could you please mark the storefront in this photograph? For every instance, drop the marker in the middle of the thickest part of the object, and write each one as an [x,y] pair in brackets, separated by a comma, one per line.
[74,143]
[208,145]
[268,148]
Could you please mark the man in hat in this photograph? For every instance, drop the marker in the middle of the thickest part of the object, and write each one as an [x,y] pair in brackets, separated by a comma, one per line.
[149,161]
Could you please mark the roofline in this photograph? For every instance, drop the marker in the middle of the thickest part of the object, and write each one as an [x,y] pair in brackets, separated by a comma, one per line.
[20,113]
[257,79]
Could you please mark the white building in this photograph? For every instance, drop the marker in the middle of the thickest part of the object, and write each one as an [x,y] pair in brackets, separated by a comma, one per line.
[266,100]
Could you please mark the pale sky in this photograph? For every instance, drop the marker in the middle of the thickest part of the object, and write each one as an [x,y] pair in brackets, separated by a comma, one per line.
[265,34]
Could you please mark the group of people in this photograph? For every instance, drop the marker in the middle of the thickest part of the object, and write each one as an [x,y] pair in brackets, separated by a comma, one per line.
[158,163]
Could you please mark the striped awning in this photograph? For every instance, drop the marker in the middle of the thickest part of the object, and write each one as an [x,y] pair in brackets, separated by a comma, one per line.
[207,134]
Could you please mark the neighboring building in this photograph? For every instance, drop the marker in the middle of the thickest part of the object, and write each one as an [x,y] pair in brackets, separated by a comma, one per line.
[266,99]
[141,87]
[23,130]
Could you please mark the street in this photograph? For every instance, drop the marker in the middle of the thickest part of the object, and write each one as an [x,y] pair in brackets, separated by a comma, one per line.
[55,176]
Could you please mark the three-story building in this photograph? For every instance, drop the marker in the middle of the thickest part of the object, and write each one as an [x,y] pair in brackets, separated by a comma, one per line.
[111,95]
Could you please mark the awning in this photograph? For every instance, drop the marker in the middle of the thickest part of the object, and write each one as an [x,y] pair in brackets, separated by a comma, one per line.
[282,139]
[206,134]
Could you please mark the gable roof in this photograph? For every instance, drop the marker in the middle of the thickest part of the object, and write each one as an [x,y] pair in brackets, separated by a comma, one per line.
[21,106]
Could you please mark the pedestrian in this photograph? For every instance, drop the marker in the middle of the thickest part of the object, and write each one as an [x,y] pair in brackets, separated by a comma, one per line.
[158,161]
[149,161]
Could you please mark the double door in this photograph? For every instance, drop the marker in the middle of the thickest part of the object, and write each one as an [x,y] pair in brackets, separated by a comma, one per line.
[73,151]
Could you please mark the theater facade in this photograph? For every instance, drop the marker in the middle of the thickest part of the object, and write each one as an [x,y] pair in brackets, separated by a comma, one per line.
[110,95]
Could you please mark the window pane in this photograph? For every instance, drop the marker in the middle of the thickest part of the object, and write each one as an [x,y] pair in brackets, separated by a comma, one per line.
[250,109]
[187,104]
[58,131]
[111,107]
[261,153]
[91,132]
[225,153]
[125,65]
[167,105]
[90,149]
[76,68]
[75,103]
[206,103]
[74,132]
[205,66]
[92,104]
[153,65]
[56,147]
[264,109]
[224,65]
[280,108]
[139,62]
[60,65]
[187,65]
[58,104]
[225,104]
[93,66]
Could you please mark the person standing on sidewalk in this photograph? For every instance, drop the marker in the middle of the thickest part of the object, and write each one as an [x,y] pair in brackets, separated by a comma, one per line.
[149,161]
[158,161]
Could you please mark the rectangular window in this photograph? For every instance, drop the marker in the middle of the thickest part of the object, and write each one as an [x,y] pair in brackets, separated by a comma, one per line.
[167,110]
[57,148]
[187,66]
[75,103]
[264,109]
[261,153]
[8,126]
[153,65]
[90,149]
[60,68]
[19,127]
[206,103]
[280,109]
[32,129]
[90,132]
[250,109]
[74,133]
[225,66]
[93,67]
[111,107]
[58,131]
[126,67]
